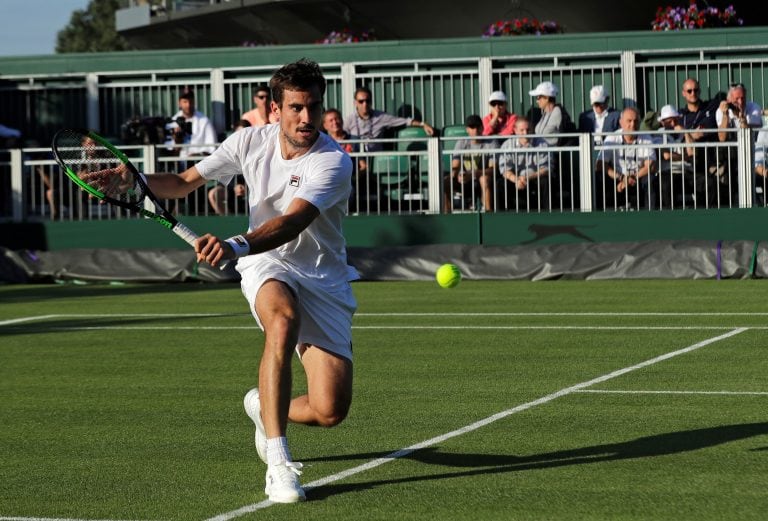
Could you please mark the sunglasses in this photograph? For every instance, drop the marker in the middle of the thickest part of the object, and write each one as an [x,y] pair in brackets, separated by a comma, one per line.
[262,96]
[364,100]
[497,103]
[691,91]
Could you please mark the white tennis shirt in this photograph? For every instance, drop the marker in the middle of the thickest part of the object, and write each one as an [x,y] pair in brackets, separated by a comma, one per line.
[322,176]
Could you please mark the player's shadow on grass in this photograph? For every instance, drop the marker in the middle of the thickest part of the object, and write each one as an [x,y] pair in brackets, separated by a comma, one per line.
[480,464]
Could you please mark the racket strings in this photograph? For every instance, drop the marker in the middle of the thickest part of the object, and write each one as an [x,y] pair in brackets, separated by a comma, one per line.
[97,166]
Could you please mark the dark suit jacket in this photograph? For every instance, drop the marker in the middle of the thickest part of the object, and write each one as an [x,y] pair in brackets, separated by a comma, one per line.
[587,120]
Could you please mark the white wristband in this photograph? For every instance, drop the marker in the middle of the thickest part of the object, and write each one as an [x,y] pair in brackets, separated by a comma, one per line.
[239,245]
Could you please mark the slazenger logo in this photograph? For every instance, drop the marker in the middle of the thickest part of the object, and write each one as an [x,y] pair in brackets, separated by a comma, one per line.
[294,180]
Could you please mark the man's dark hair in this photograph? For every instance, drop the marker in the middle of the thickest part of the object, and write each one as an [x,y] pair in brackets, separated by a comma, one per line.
[187,95]
[301,75]
[262,88]
[474,121]
[363,89]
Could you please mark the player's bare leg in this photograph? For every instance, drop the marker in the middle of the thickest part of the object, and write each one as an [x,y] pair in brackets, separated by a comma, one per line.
[329,385]
[276,308]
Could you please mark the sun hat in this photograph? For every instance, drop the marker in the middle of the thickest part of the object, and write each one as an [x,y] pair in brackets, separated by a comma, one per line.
[545,88]
[668,111]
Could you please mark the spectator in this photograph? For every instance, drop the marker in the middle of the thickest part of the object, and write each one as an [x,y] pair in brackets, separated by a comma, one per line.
[471,172]
[698,115]
[369,123]
[524,171]
[197,129]
[675,168]
[224,199]
[262,113]
[736,112]
[601,118]
[499,121]
[551,121]
[332,125]
[627,163]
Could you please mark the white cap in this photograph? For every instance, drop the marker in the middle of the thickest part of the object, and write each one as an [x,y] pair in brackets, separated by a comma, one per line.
[545,88]
[497,95]
[597,95]
[668,111]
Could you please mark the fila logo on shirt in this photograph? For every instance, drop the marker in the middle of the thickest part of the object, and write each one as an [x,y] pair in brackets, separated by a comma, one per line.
[294,180]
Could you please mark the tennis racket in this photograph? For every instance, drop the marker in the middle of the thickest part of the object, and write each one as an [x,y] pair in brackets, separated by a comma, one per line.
[106,173]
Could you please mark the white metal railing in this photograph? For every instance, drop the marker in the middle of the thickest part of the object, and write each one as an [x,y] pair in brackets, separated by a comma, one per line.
[730,174]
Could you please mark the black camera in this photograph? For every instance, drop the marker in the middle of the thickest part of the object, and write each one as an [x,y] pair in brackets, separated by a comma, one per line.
[179,123]
[143,131]
[154,130]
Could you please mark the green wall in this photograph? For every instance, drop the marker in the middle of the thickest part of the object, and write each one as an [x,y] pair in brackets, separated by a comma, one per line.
[393,230]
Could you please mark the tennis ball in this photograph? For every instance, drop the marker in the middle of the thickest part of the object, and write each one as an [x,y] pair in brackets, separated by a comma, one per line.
[448,276]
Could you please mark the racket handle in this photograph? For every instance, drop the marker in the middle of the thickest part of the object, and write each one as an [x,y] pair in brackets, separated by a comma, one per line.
[190,237]
[185,233]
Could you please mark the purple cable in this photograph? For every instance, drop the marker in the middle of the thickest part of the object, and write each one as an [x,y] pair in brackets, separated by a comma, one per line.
[719,258]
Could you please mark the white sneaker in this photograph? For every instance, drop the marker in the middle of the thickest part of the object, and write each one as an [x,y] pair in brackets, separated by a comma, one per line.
[253,410]
[283,483]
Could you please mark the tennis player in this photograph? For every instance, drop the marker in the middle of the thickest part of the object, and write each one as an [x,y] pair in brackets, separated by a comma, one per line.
[292,263]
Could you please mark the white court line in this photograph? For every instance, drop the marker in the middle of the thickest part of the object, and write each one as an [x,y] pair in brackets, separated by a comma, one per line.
[26,319]
[255,327]
[50,519]
[477,425]
[723,393]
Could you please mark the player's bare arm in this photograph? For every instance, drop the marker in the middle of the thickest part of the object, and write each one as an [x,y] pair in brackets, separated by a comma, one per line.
[175,186]
[270,235]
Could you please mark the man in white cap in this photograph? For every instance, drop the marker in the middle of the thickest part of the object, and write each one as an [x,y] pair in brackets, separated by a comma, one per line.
[601,118]
[675,168]
[499,121]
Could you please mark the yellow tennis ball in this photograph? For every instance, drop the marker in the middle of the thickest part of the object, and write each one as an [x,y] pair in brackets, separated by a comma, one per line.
[448,275]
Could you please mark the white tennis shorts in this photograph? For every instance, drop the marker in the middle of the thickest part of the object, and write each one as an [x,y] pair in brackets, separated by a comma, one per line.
[325,310]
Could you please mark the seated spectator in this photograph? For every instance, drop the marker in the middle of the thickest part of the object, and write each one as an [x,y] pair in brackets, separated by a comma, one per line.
[524,169]
[499,121]
[675,168]
[225,199]
[262,113]
[369,123]
[601,117]
[698,115]
[554,118]
[734,112]
[332,125]
[627,164]
[471,172]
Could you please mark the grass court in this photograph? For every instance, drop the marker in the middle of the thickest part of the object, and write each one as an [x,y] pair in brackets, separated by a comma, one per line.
[495,400]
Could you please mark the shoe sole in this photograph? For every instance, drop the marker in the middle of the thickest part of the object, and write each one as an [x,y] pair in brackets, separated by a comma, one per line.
[285,499]
[254,413]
